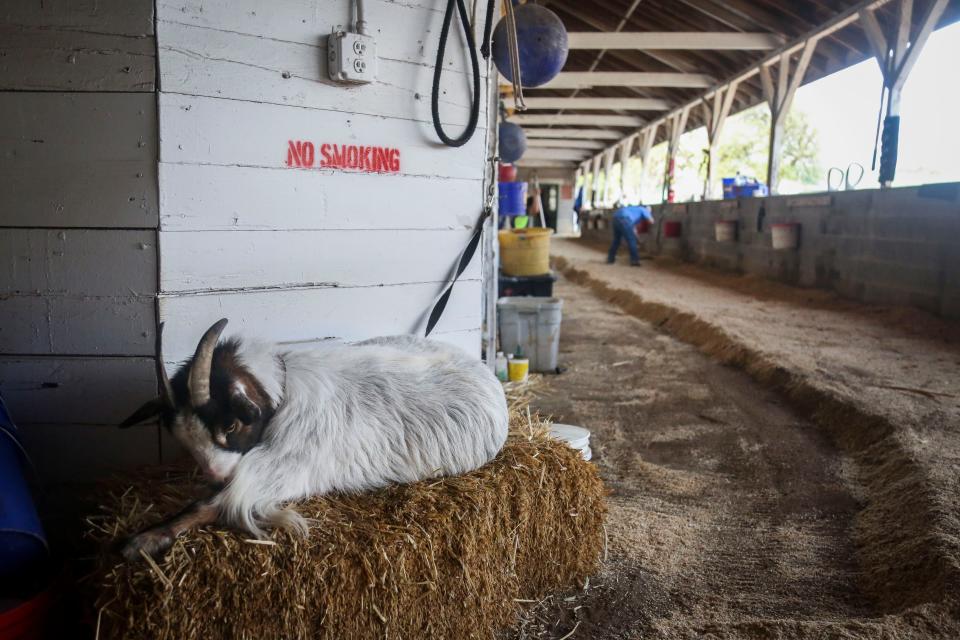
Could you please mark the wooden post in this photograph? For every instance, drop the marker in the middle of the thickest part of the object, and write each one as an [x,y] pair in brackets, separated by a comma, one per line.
[678,123]
[625,150]
[647,138]
[714,117]
[607,165]
[779,92]
[595,179]
[896,56]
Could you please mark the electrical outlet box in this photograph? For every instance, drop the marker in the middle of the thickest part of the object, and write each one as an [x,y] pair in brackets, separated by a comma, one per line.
[351,57]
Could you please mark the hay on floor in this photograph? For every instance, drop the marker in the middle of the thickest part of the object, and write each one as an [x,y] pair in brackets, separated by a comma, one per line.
[448,558]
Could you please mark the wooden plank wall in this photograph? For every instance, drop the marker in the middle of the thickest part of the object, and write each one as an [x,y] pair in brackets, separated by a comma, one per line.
[302,255]
[78,230]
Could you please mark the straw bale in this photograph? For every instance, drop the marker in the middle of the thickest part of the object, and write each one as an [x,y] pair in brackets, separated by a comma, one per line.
[446,558]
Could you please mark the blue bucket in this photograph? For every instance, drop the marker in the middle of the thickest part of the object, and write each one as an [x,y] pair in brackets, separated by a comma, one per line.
[23,545]
[513,198]
[729,188]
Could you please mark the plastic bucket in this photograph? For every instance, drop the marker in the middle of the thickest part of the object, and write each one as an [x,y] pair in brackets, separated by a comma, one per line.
[518,369]
[513,198]
[725,230]
[525,252]
[23,545]
[729,188]
[576,437]
[31,619]
[786,235]
[672,229]
[508,172]
[532,324]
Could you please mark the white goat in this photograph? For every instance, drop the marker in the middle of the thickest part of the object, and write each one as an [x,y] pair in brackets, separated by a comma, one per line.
[269,425]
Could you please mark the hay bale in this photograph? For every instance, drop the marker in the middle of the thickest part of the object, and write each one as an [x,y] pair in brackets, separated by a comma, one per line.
[447,558]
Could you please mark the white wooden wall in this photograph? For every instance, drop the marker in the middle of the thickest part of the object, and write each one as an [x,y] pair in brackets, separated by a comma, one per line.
[78,229]
[302,255]
[144,178]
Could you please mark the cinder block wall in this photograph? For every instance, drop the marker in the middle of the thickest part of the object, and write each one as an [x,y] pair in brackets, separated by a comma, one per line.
[896,246]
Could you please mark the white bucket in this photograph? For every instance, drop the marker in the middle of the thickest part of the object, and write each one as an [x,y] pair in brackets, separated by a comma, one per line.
[533,324]
[786,235]
[576,437]
[725,230]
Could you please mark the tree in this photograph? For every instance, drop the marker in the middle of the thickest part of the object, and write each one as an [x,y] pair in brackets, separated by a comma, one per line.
[744,147]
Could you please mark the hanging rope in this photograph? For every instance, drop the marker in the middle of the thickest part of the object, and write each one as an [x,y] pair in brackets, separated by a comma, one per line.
[464,137]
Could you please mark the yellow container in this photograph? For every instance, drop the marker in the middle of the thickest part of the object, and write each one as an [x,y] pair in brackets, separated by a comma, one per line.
[525,252]
[517,369]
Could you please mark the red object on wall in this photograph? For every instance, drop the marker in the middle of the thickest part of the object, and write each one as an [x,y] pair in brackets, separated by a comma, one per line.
[644,226]
[508,173]
[672,229]
[566,191]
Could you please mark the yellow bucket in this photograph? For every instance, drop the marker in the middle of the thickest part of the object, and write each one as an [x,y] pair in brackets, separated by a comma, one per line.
[525,252]
[518,369]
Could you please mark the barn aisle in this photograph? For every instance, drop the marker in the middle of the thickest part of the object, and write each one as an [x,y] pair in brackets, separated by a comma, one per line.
[730,516]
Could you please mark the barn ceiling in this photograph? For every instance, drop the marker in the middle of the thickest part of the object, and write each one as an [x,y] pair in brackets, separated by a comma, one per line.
[692,45]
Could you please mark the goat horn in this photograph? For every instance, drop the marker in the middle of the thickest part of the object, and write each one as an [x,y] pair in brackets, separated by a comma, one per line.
[166,393]
[202,363]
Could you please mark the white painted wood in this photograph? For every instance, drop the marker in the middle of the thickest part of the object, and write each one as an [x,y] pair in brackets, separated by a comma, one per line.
[77,325]
[65,390]
[213,63]
[585,134]
[198,130]
[78,159]
[538,162]
[652,40]
[41,59]
[124,17]
[585,79]
[556,154]
[563,143]
[237,260]
[71,454]
[207,197]
[598,104]
[407,31]
[311,314]
[587,120]
[78,262]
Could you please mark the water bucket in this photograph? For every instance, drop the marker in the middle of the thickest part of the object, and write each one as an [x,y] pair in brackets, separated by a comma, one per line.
[576,437]
[729,188]
[525,252]
[672,229]
[725,230]
[532,324]
[644,226]
[513,198]
[508,172]
[786,235]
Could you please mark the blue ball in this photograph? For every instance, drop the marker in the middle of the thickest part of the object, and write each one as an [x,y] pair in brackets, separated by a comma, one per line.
[513,142]
[542,43]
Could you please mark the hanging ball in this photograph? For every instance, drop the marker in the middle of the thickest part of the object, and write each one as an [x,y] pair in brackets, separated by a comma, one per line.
[541,41]
[513,142]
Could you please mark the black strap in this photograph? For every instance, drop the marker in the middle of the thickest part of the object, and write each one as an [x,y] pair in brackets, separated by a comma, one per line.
[465,259]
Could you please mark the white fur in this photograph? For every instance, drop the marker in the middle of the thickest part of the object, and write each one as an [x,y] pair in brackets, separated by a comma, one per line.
[355,417]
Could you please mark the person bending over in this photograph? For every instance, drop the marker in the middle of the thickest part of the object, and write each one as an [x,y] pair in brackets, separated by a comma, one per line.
[625,218]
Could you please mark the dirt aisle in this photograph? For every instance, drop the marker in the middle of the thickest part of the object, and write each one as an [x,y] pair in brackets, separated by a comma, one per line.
[729,516]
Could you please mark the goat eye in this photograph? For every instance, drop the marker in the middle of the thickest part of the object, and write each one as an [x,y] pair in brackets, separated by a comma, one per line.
[233,426]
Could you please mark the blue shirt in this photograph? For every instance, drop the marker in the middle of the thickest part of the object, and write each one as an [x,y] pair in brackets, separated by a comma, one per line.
[634,213]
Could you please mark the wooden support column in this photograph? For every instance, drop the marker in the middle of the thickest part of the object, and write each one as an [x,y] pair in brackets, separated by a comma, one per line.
[608,157]
[596,178]
[625,148]
[779,87]
[715,112]
[896,54]
[677,123]
[647,137]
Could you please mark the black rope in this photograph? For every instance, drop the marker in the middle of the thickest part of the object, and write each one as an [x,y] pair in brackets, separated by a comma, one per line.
[465,259]
[464,137]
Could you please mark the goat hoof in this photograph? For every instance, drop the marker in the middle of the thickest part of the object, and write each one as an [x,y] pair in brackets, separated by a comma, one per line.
[151,542]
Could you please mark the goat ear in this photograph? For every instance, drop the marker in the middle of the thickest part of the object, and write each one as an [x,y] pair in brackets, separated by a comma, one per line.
[148,410]
[244,408]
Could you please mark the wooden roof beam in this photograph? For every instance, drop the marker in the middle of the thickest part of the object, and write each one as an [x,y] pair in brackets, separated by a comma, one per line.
[582,79]
[651,40]
[578,119]
[564,143]
[598,104]
[587,134]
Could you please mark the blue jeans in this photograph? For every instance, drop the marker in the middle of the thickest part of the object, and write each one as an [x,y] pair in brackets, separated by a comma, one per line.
[623,230]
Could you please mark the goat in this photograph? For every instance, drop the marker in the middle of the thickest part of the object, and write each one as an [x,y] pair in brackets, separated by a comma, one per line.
[268,425]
